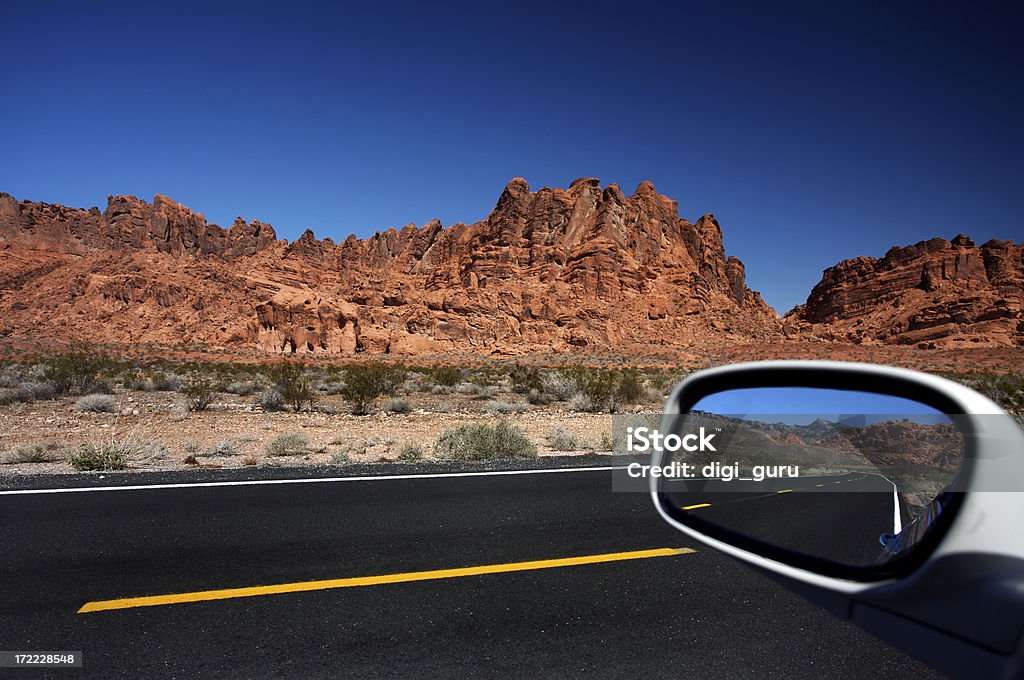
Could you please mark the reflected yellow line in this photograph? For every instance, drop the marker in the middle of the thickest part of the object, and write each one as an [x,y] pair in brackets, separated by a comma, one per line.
[699,505]
[785,491]
[407,577]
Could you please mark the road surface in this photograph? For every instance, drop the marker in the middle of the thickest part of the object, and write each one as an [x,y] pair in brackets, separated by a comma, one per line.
[559,580]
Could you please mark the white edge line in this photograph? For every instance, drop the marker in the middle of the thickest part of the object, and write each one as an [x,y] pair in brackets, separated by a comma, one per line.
[308,480]
[897,522]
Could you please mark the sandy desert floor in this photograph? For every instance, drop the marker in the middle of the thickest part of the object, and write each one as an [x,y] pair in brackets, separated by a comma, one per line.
[234,432]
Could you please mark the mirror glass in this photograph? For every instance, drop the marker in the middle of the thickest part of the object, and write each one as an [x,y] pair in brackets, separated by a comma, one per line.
[856,478]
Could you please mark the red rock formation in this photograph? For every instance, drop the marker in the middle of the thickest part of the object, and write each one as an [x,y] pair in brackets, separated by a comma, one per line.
[546,270]
[935,293]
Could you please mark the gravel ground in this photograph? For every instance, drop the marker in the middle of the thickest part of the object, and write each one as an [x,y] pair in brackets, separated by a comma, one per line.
[167,437]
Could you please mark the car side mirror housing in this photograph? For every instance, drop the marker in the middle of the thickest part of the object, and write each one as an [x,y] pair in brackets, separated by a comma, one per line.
[891,497]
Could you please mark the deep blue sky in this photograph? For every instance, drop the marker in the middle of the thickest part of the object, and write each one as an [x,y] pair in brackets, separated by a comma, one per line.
[814,131]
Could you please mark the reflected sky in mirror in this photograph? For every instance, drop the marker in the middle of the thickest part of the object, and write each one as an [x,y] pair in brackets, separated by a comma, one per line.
[804,405]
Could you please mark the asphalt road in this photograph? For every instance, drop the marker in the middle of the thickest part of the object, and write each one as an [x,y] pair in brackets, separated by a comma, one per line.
[696,614]
[838,517]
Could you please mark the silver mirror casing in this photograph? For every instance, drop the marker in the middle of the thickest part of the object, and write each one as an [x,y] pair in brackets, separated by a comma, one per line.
[960,607]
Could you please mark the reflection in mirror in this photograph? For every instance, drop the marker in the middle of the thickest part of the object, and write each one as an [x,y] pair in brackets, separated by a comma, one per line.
[852,477]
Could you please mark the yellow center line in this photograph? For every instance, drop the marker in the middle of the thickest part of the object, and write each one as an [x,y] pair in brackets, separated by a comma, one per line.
[305,586]
[785,491]
[698,505]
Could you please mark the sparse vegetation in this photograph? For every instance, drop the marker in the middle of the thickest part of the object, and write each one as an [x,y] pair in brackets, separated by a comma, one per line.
[484,442]
[398,405]
[163,382]
[538,398]
[445,375]
[16,395]
[290,380]
[241,389]
[114,454]
[410,452]
[77,370]
[1006,390]
[31,453]
[630,389]
[293,444]
[525,378]
[199,392]
[559,385]
[365,383]
[561,439]
[500,408]
[40,390]
[271,400]
[96,403]
[225,447]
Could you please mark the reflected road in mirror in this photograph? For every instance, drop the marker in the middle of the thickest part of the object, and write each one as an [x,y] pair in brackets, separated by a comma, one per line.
[852,477]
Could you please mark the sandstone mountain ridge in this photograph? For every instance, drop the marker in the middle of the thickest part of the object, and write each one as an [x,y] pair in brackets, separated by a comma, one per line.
[547,270]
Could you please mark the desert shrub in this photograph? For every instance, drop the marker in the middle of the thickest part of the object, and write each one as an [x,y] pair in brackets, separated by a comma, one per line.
[663,381]
[333,387]
[410,452]
[249,460]
[199,392]
[8,380]
[483,442]
[76,370]
[270,400]
[290,379]
[1006,390]
[167,382]
[115,454]
[340,458]
[538,398]
[631,387]
[583,404]
[559,385]
[293,444]
[498,408]
[241,389]
[602,389]
[40,390]
[398,405]
[16,395]
[561,439]
[225,447]
[31,453]
[365,383]
[177,413]
[96,403]
[525,378]
[477,390]
[445,375]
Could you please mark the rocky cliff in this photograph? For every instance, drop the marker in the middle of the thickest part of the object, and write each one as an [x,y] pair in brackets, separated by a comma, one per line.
[935,293]
[546,270]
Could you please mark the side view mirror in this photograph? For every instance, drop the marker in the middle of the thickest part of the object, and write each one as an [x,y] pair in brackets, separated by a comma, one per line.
[891,497]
